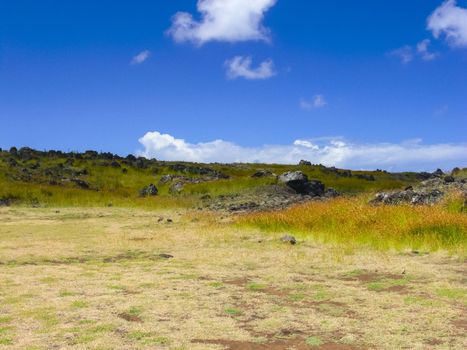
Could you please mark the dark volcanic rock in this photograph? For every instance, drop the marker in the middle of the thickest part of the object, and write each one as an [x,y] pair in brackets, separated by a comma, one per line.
[176,188]
[408,197]
[149,190]
[295,180]
[189,169]
[299,182]
[81,183]
[331,193]
[263,173]
[449,179]
[438,173]
[5,202]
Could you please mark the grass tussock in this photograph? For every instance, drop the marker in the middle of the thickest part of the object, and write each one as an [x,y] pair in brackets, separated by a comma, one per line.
[353,222]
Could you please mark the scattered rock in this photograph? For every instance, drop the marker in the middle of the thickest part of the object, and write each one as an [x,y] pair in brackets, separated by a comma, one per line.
[263,173]
[5,202]
[81,183]
[247,206]
[183,168]
[408,197]
[176,188]
[331,193]
[449,179]
[288,239]
[304,162]
[149,190]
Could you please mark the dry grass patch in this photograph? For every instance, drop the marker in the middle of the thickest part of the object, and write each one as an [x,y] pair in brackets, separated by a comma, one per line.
[78,280]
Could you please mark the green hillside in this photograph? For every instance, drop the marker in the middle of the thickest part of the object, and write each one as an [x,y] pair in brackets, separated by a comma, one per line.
[54,178]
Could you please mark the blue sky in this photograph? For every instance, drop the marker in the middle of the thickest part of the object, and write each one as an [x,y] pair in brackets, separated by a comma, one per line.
[360,84]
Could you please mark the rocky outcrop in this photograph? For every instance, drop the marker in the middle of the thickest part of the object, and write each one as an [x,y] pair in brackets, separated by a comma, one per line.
[408,197]
[177,182]
[189,169]
[426,193]
[299,182]
[261,198]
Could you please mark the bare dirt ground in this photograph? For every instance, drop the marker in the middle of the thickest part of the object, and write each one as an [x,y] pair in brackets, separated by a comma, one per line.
[130,279]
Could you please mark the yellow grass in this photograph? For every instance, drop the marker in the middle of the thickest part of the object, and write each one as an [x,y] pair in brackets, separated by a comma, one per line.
[354,222]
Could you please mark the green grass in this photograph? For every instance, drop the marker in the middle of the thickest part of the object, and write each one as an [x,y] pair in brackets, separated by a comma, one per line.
[233,312]
[314,341]
[453,293]
[110,186]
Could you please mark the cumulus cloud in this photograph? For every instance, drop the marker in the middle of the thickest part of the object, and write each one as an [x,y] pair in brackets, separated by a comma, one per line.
[409,155]
[424,52]
[222,20]
[318,101]
[141,57]
[404,53]
[450,21]
[241,67]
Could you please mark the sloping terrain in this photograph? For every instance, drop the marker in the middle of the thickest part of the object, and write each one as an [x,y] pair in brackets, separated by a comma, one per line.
[54,178]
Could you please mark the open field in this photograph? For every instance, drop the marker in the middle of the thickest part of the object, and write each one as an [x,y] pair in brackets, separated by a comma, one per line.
[112,278]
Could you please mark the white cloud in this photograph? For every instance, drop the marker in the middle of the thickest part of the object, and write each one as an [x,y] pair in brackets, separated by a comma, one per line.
[141,57]
[222,20]
[241,67]
[449,20]
[409,155]
[318,101]
[404,53]
[422,49]
[407,53]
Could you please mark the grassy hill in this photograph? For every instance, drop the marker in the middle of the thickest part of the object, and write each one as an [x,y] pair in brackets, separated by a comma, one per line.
[55,178]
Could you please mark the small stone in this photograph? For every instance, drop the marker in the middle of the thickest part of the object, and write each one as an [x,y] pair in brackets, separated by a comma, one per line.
[288,239]
[165,256]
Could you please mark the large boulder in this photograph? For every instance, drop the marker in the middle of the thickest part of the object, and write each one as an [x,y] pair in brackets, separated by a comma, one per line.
[299,182]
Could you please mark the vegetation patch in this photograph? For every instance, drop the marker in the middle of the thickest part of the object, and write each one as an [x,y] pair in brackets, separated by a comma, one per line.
[352,222]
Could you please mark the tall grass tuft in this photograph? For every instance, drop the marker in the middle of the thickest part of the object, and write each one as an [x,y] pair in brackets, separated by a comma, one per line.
[353,222]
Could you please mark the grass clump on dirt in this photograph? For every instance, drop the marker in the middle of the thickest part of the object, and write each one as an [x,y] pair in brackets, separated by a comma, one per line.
[353,222]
